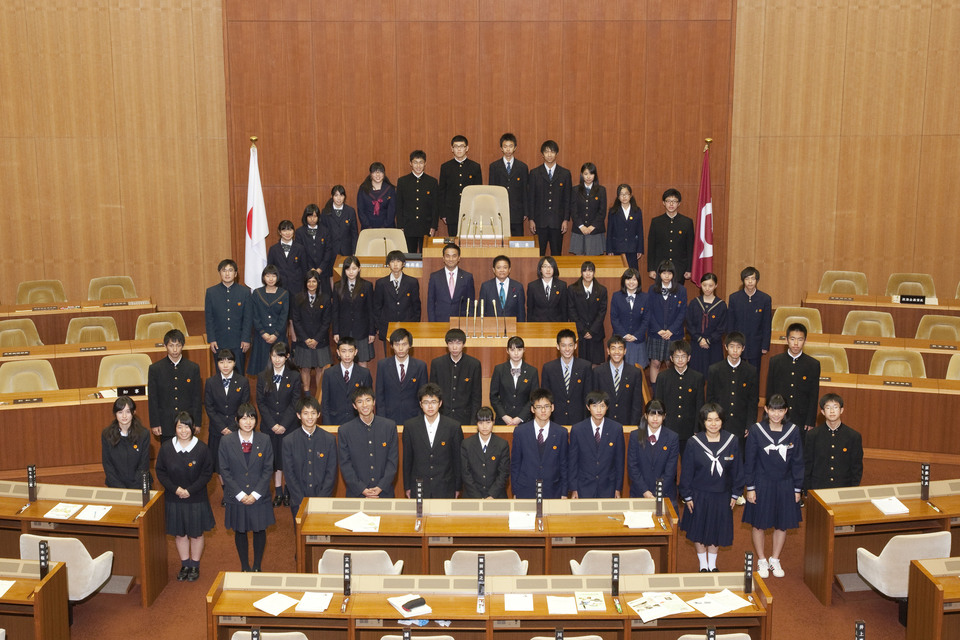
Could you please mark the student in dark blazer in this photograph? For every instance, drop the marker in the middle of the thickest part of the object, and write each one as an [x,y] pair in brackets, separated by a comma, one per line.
[441,306]
[485,460]
[548,200]
[418,203]
[278,395]
[539,452]
[587,308]
[455,174]
[310,235]
[340,227]
[309,457]
[511,384]
[340,381]
[228,320]
[629,316]
[433,459]
[732,383]
[750,312]
[652,455]
[460,377]
[396,297]
[399,379]
[596,453]
[570,398]
[377,200]
[175,385]
[353,310]
[625,227]
[125,447]
[680,389]
[547,295]
[311,312]
[511,173]
[588,210]
[289,258]
[367,450]
[222,396]
[513,303]
[625,395]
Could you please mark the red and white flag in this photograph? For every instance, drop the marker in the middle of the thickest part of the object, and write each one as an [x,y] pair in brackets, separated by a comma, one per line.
[703,226]
[256,227]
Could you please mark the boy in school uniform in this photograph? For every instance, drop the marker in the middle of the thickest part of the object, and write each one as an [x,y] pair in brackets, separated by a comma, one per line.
[596,453]
[396,297]
[485,460]
[175,385]
[511,173]
[367,450]
[548,200]
[418,198]
[459,377]
[732,383]
[450,289]
[502,293]
[680,389]
[314,242]
[309,457]
[749,311]
[569,379]
[226,313]
[796,376]
[833,452]
[399,380]
[621,382]
[511,384]
[539,453]
[431,449]
[455,174]
[670,238]
[290,259]
[340,381]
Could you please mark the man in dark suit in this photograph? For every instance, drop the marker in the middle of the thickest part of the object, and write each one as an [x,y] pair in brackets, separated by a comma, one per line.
[733,385]
[399,380]
[309,457]
[455,174]
[596,453]
[569,379]
[511,173]
[450,289]
[228,317]
[539,452]
[485,460]
[796,376]
[418,197]
[548,200]
[396,297]
[511,384]
[431,449]
[652,455]
[367,450]
[680,389]
[339,382]
[175,385]
[622,383]
[460,379]
[502,293]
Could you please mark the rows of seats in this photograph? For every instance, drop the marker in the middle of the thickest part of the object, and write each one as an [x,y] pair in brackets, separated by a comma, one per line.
[52,291]
[28,376]
[22,332]
[885,362]
[898,284]
[874,324]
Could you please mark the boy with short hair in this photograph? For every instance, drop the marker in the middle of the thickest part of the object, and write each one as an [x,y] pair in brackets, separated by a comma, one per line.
[309,457]
[339,381]
[396,296]
[367,450]
[431,448]
[680,389]
[749,311]
[502,293]
[670,238]
[796,376]
[175,385]
[511,173]
[548,200]
[539,453]
[460,378]
[833,452]
[418,196]
[399,379]
[569,379]
[485,460]
[596,453]
[732,383]
[228,317]
[622,382]
[511,384]
[289,258]
[455,174]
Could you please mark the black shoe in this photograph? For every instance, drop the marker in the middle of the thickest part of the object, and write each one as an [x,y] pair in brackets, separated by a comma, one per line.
[704,570]
[182,575]
[715,570]
[286,499]
[193,574]
[278,500]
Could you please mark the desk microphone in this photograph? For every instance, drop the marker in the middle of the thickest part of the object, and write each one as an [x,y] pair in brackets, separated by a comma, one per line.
[385,251]
[500,217]
[460,228]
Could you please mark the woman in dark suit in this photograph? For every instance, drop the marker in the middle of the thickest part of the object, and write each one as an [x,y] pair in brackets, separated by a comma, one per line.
[311,313]
[125,447]
[588,208]
[353,310]
[485,460]
[222,395]
[278,396]
[625,227]
[338,224]
[587,307]
[542,307]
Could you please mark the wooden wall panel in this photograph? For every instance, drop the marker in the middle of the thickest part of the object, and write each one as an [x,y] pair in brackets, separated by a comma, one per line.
[22,255]
[937,223]
[17,115]
[941,115]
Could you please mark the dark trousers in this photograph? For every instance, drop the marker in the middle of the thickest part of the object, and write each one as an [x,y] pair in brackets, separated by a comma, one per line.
[554,238]
[414,244]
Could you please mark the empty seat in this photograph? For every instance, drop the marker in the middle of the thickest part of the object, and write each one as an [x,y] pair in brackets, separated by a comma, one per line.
[911,284]
[19,332]
[85,574]
[269,635]
[939,328]
[124,370]
[414,637]
[40,292]
[850,283]
[720,636]
[92,329]
[25,376]
[897,363]
[505,562]
[111,288]
[598,562]
[783,317]
[380,242]
[874,324]
[566,637]
[369,562]
[953,367]
[153,326]
[832,359]
[479,206]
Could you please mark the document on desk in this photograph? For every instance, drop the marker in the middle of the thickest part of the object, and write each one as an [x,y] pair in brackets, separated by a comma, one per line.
[63,510]
[890,506]
[654,605]
[561,605]
[6,584]
[638,519]
[518,602]
[93,512]
[314,602]
[715,604]
[522,520]
[399,601]
[360,523]
[590,601]
[275,603]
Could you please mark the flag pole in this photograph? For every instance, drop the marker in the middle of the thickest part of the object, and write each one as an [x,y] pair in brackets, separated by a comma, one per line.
[706,147]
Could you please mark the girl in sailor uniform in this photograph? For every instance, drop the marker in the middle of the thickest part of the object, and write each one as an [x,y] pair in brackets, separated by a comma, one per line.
[773,474]
[711,478]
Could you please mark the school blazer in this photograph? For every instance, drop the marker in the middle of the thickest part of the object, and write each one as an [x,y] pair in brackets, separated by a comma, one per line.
[485,474]
[516,185]
[278,405]
[569,407]
[509,399]
[548,202]
[222,407]
[242,474]
[540,307]
[336,407]
[398,400]
[516,306]
[463,394]
[648,463]
[596,470]
[527,465]
[624,234]
[390,305]
[682,397]
[626,405]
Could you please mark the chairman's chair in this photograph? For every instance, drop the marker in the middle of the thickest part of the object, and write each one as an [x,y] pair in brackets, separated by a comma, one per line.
[19,332]
[783,317]
[27,376]
[380,242]
[369,562]
[911,284]
[92,329]
[40,292]
[480,205]
[597,562]
[85,574]
[849,283]
[939,328]
[153,326]
[832,359]
[897,363]
[874,324]
[111,288]
[953,367]
[124,370]
[269,635]
[505,562]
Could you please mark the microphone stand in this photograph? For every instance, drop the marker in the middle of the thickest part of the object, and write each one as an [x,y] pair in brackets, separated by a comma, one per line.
[501,245]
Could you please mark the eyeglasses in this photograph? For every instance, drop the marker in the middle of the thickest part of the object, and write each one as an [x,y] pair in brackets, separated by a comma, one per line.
[672,201]
[542,407]
[429,401]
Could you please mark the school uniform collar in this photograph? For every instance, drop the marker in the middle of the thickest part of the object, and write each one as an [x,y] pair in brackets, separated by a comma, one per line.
[795,358]
[176,362]
[536,429]
[417,175]
[190,445]
[734,366]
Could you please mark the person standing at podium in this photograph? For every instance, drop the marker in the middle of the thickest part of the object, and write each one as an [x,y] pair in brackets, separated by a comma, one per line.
[450,289]
[502,294]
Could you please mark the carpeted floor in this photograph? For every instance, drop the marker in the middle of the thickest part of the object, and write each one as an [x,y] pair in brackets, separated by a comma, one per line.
[179,613]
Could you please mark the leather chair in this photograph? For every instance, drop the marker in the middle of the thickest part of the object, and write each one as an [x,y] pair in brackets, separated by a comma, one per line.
[911,284]
[19,332]
[370,562]
[124,370]
[597,562]
[40,292]
[504,562]
[876,324]
[85,574]
[897,363]
[92,329]
[111,288]
[939,328]
[783,317]
[850,283]
[24,376]
[153,326]
[832,359]
[380,242]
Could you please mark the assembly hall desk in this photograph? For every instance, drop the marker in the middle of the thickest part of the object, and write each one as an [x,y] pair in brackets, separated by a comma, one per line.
[368,616]
[34,607]
[933,610]
[570,527]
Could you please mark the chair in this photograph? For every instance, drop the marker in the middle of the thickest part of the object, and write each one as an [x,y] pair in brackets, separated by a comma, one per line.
[844,282]
[875,324]
[413,637]
[566,637]
[19,332]
[124,370]
[269,635]
[40,292]
[721,636]
[371,562]
[85,574]
[953,368]
[889,572]
[911,284]
[783,317]
[897,363]
[111,288]
[92,329]
[479,206]
[832,359]
[153,326]
[505,562]
[380,242]
[597,562]
[939,328]
[23,376]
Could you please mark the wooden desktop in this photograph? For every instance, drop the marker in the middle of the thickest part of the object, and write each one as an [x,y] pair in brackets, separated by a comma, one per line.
[933,610]
[34,607]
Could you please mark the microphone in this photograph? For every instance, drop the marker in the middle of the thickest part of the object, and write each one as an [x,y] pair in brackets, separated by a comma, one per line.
[500,217]
[493,230]
[459,309]
[385,252]
[460,227]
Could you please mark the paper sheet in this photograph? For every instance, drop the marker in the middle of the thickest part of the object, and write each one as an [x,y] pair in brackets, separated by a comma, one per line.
[275,603]
[63,510]
[654,605]
[715,604]
[638,519]
[397,602]
[360,522]
[890,506]
[314,601]
[561,605]
[6,584]
[522,520]
[518,602]
[93,512]
[590,601]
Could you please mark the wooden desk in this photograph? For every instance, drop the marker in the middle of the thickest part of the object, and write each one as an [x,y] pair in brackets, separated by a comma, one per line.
[52,319]
[933,610]
[34,608]
[134,533]
[841,520]
[833,310]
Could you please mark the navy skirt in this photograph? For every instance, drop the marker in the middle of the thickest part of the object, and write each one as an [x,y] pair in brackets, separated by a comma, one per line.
[776,505]
[711,523]
[241,518]
[189,519]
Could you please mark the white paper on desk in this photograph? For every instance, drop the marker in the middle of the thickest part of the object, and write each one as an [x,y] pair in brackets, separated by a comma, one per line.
[638,519]
[6,584]
[397,602]
[314,601]
[63,510]
[518,602]
[590,601]
[715,604]
[360,522]
[561,605]
[275,603]
[654,605]
[890,506]
[522,520]
[93,512]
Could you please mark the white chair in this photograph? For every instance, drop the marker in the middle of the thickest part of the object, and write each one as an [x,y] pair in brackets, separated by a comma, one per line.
[505,562]
[597,562]
[85,574]
[412,637]
[124,369]
[479,206]
[269,635]
[27,376]
[723,636]
[371,562]
[380,242]
[566,637]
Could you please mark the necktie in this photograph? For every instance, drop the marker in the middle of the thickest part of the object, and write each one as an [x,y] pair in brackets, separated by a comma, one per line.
[588,292]
[540,437]
[515,372]
[550,174]
[509,166]
[346,377]
[630,300]
[352,284]
[652,439]
[484,448]
[246,446]
[286,249]
[503,297]
[312,299]
[312,232]
[566,377]
[546,291]
[226,383]
[451,284]
[596,434]
[276,380]
[616,380]
[403,373]
[396,286]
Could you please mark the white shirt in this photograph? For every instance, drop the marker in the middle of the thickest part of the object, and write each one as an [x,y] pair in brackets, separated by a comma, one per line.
[536,430]
[432,428]
[405,363]
[732,364]
[179,449]
[655,434]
